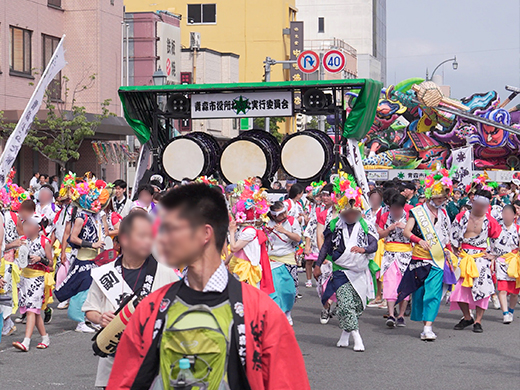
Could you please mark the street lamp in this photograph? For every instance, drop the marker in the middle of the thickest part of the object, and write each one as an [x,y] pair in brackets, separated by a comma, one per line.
[455,65]
[159,77]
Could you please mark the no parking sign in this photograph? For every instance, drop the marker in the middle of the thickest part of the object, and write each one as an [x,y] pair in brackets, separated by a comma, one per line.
[334,61]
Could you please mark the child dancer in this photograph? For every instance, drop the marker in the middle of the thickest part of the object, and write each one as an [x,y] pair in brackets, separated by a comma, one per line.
[35,281]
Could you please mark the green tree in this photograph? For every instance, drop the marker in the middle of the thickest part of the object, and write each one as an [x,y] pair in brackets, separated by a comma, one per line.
[61,133]
[274,129]
[313,124]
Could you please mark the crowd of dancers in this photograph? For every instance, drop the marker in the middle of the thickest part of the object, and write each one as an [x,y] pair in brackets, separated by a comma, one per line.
[401,246]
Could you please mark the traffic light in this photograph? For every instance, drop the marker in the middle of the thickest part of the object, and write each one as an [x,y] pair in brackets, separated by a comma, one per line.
[317,102]
[178,106]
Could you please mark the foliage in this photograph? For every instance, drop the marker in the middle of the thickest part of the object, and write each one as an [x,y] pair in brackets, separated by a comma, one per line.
[313,124]
[61,133]
[259,123]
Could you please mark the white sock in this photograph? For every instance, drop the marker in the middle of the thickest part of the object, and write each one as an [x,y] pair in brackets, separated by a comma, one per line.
[427,329]
[26,342]
[344,337]
[45,339]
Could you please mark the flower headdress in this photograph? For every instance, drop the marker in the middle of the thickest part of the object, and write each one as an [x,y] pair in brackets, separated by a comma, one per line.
[89,194]
[438,183]
[206,180]
[347,194]
[249,202]
[17,195]
[481,182]
[316,187]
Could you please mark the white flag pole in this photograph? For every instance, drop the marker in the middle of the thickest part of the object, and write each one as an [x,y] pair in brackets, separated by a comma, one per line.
[17,137]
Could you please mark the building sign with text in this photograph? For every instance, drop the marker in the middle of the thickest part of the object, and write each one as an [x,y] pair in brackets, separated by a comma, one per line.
[169,51]
[296,48]
[247,105]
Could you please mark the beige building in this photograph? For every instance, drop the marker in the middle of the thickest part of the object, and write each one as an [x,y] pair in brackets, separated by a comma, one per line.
[29,33]
[212,67]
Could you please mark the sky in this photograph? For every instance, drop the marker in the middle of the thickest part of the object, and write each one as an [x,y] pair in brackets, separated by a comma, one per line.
[484,35]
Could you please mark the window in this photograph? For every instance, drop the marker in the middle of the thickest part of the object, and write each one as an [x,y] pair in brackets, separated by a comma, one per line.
[54,3]
[321,25]
[202,13]
[49,45]
[19,51]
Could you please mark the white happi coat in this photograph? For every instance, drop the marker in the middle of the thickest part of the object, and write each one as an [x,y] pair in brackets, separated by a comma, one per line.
[356,264]
[507,242]
[483,285]
[396,235]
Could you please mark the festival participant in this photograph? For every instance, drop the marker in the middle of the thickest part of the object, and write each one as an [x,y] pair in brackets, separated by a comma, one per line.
[428,228]
[293,203]
[311,244]
[145,199]
[113,219]
[248,241]
[396,257]
[453,206]
[140,275]
[121,202]
[348,240]
[36,280]
[47,208]
[86,239]
[284,235]
[507,264]
[11,197]
[471,233]
[375,199]
[263,353]
[326,212]
[34,183]
[502,197]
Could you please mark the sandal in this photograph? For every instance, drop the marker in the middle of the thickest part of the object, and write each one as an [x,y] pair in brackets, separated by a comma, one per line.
[20,346]
[42,346]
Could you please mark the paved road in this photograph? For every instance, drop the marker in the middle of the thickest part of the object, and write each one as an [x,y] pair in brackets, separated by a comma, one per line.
[394,359]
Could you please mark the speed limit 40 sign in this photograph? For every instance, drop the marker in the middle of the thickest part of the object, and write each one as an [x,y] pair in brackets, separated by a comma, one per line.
[334,61]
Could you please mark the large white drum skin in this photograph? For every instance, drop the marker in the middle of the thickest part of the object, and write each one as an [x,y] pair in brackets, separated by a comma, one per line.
[242,159]
[183,158]
[303,156]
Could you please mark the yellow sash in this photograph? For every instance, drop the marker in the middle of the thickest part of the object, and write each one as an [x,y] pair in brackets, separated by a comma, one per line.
[247,272]
[468,268]
[427,229]
[513,269]
[287,259]
[15,279]
[378,257]
[87,253]
[48,283]
[397,247]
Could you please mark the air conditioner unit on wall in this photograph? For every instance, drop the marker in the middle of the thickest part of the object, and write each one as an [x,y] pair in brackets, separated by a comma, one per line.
[194,40]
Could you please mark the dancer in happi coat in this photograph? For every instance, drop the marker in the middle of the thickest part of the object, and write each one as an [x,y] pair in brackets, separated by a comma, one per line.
[284,237]
[428,228]
[36,280]
[247,239]
[507,264]
[87,239]
[396,257]
[474,239]
[348,241]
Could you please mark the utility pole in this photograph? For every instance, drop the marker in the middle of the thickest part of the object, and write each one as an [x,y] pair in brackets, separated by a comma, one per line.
[321,76]
[268,62]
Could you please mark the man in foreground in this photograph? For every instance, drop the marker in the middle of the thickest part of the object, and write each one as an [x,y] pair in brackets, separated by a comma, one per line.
[261,351]
[135,272]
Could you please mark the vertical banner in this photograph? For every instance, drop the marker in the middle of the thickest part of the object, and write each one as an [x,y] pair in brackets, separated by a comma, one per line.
[296,48]
[462,159]
[142,166]
[17,137]
[355,160]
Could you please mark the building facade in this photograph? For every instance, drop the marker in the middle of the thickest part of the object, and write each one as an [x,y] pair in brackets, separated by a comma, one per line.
[29,32]
[360,23]
[252,29]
